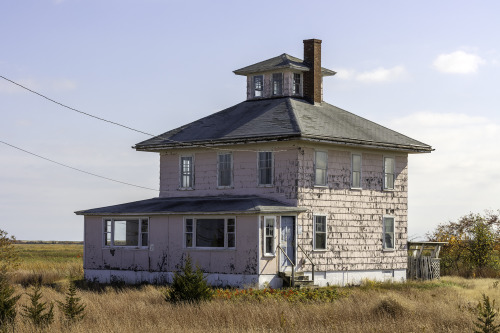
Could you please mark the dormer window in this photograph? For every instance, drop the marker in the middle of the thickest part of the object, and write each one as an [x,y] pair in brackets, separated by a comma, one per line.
[277,84]
[258,85]
[296,84]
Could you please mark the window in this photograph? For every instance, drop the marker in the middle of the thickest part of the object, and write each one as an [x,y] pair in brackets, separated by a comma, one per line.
[320,163]
[319,232]
[277,84]
[269,223]
[388,241]
[210,232]
[389,173]
[186,171]
[126,232]
[356,171]
[296,84]
[225,169]
[265,168]
[258,85]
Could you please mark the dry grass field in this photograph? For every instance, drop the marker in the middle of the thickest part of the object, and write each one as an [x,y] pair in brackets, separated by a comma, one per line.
[448,305]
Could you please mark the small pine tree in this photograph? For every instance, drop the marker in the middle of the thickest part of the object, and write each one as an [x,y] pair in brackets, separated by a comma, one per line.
[37,312]
[7,302]
[486,317]
[189,285]
[71,307]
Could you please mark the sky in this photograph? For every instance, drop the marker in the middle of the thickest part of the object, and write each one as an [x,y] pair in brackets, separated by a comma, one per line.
[428,69]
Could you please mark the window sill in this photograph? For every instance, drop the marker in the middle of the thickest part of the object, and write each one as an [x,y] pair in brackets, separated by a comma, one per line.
[225,187]
[185,189]
[356,188]
[266,185]
[320,250]
[268,256]
[118,247]
[225,249]
[321,186]
[388,250]
[389,190]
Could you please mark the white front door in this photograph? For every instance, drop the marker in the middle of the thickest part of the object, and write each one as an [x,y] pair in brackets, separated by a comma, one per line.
[287,242]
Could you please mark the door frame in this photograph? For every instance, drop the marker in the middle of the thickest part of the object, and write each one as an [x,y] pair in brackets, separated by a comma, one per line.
[282,268]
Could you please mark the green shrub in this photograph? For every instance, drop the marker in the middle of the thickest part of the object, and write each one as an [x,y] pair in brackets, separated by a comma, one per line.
[7,302]
[188,285]
[72,308]
[486,317]
[40,315]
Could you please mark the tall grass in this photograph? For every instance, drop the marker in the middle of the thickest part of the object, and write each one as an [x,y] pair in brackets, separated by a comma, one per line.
[448,305]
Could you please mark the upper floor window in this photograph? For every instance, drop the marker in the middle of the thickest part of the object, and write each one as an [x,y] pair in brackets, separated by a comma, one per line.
[389,171]
[319,232]
[258,85]
[320,166]
[225,169]
[210,232]
[277,84]
[296,84]
[269,223]
[388,233]
[356,171]
[126,232]
[187,171]
[265,168]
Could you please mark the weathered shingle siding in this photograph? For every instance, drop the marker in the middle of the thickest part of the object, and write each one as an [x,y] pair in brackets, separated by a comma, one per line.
[354,217]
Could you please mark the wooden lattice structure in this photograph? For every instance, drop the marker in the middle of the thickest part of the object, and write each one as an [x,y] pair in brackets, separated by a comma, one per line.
[423,260]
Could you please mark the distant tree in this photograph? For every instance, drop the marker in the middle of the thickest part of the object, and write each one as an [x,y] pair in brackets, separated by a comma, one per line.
[39,313]
[188,285]
[72,308]
[7,302]
[473,244]
[9,258]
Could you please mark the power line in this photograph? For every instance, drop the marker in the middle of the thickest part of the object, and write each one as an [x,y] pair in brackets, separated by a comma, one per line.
[124,126]
[80,170]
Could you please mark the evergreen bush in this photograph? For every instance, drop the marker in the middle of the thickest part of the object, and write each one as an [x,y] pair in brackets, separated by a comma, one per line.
[486,317]
[39,313]
[188,285]
[7,302]
[72,308]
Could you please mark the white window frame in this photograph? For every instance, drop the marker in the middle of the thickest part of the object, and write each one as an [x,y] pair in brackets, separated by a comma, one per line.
[384,232]
[316,168]
[227,232]
[322,232]
[299,93]
[359,171]
[259,180]
[269,238]
[182,186]
[111,232]
[273,92]
[230,170]
[254,90]
[386,187]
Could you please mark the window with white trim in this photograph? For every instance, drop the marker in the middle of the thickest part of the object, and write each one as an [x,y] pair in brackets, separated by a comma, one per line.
[265,164]
[388,233]
[225,169]
[320,166]
[319,232]
[277,84]
[127,232]
[210,232]
[258,85]
[296,83]
[269,223]
[389,170]
[187,172]
[356,171]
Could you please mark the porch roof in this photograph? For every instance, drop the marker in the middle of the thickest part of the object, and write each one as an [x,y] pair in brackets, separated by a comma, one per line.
[196,205]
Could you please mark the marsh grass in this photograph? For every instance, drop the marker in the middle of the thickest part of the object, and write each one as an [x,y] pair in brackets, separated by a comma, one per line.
[447,305]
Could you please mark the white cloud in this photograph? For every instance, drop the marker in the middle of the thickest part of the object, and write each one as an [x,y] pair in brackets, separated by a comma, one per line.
[39,85]
[377,75]
[458,62]
[462,175]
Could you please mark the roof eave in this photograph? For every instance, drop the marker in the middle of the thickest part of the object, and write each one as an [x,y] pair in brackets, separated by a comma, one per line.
[259,210]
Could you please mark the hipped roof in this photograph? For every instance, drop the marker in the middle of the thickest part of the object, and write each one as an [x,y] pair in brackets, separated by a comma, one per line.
[283,119]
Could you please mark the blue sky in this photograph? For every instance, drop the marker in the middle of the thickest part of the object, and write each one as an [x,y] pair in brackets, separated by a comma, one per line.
[428,69]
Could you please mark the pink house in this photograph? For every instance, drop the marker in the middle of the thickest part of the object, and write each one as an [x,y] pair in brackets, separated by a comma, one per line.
[282,184]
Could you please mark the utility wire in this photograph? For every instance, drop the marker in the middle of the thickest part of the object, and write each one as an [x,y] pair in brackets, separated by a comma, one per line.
[124,126]
[80,170]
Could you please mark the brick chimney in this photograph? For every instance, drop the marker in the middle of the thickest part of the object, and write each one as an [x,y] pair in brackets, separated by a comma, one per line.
[312,78]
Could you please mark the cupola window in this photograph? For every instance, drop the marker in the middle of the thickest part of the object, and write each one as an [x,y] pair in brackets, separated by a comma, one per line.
[258,85]
[277,84]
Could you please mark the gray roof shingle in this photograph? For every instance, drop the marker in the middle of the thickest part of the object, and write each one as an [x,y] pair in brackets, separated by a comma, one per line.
[185,205]
[283,118]
[277,63]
